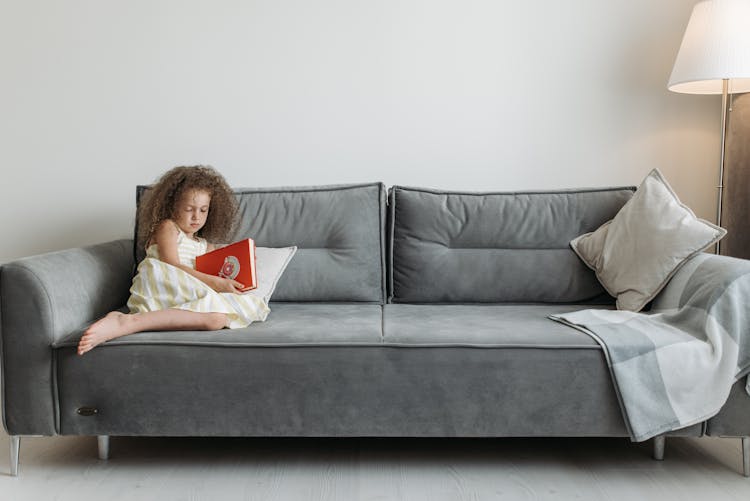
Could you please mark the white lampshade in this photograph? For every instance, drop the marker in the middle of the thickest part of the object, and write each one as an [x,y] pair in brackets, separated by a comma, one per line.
[716,47]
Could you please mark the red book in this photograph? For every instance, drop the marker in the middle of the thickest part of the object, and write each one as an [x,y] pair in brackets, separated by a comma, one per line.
[235,261]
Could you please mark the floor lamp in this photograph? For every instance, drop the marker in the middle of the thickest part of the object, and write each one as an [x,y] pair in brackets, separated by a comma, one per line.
[714,58]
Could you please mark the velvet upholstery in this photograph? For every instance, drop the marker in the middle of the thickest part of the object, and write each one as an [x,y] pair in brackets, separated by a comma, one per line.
[340,390]
[494,247]
[499,326]
[43,298]
[287,324]
[338,231]
[332,359]
[352,383]
[734,418]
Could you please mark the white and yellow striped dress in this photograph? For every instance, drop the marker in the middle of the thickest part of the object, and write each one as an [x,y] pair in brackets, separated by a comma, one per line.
[159,285]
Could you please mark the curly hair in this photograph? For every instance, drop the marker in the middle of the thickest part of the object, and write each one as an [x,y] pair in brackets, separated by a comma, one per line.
[158,202]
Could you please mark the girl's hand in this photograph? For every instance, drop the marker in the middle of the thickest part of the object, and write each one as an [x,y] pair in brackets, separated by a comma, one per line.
[220,284]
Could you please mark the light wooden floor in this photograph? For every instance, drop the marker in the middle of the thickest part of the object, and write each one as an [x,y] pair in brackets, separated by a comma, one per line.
[66,468]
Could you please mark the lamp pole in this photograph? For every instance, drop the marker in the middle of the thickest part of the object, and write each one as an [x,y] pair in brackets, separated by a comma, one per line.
[725,109]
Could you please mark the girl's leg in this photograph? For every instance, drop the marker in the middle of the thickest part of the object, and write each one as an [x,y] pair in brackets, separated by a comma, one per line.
[117,324]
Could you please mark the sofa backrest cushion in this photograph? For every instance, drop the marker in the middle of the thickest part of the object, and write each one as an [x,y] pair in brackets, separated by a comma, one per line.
[460,247]
[338,231]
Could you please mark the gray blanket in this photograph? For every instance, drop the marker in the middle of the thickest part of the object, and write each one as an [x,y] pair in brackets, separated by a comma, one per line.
[674,366]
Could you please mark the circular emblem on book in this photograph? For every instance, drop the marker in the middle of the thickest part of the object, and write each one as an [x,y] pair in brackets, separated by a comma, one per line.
[231,268]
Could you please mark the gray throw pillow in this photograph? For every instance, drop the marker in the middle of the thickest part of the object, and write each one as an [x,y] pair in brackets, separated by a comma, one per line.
[635,254]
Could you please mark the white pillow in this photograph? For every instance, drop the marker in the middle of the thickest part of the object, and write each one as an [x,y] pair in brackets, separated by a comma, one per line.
[635,254]
[270,263]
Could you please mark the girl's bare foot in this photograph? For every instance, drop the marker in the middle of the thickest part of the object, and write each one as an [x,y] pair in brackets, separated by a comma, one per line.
[115,324]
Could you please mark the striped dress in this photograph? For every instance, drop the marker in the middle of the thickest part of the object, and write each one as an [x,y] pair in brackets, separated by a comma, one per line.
[159,285]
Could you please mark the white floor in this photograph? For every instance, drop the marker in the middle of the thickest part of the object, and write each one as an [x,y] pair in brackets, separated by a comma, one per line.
[66,468]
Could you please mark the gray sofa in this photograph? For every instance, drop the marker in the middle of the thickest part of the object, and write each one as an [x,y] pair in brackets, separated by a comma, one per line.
[407,312]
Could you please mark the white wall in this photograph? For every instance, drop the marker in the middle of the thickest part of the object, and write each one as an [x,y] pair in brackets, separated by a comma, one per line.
[97,96]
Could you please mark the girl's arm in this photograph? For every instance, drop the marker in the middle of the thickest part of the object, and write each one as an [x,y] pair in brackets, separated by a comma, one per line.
[165,237]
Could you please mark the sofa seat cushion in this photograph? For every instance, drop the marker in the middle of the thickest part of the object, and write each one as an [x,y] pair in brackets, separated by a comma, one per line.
[492,326]
[483,325]
[287,324]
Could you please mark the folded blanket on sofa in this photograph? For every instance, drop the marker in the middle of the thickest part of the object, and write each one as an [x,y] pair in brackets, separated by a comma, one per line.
[674,367]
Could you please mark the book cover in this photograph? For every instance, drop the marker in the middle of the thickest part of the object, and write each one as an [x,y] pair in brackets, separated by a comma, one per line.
[235,261]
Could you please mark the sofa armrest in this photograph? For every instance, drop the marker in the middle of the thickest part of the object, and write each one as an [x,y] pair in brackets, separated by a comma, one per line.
[701,281]
[699,284]
[42,299]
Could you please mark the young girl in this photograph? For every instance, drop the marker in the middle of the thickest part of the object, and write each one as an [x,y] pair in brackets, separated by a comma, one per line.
[177,216]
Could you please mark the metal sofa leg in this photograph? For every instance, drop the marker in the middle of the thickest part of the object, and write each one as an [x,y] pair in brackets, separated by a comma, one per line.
[15,447]
[102,442]
[746,456]
[659,443]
